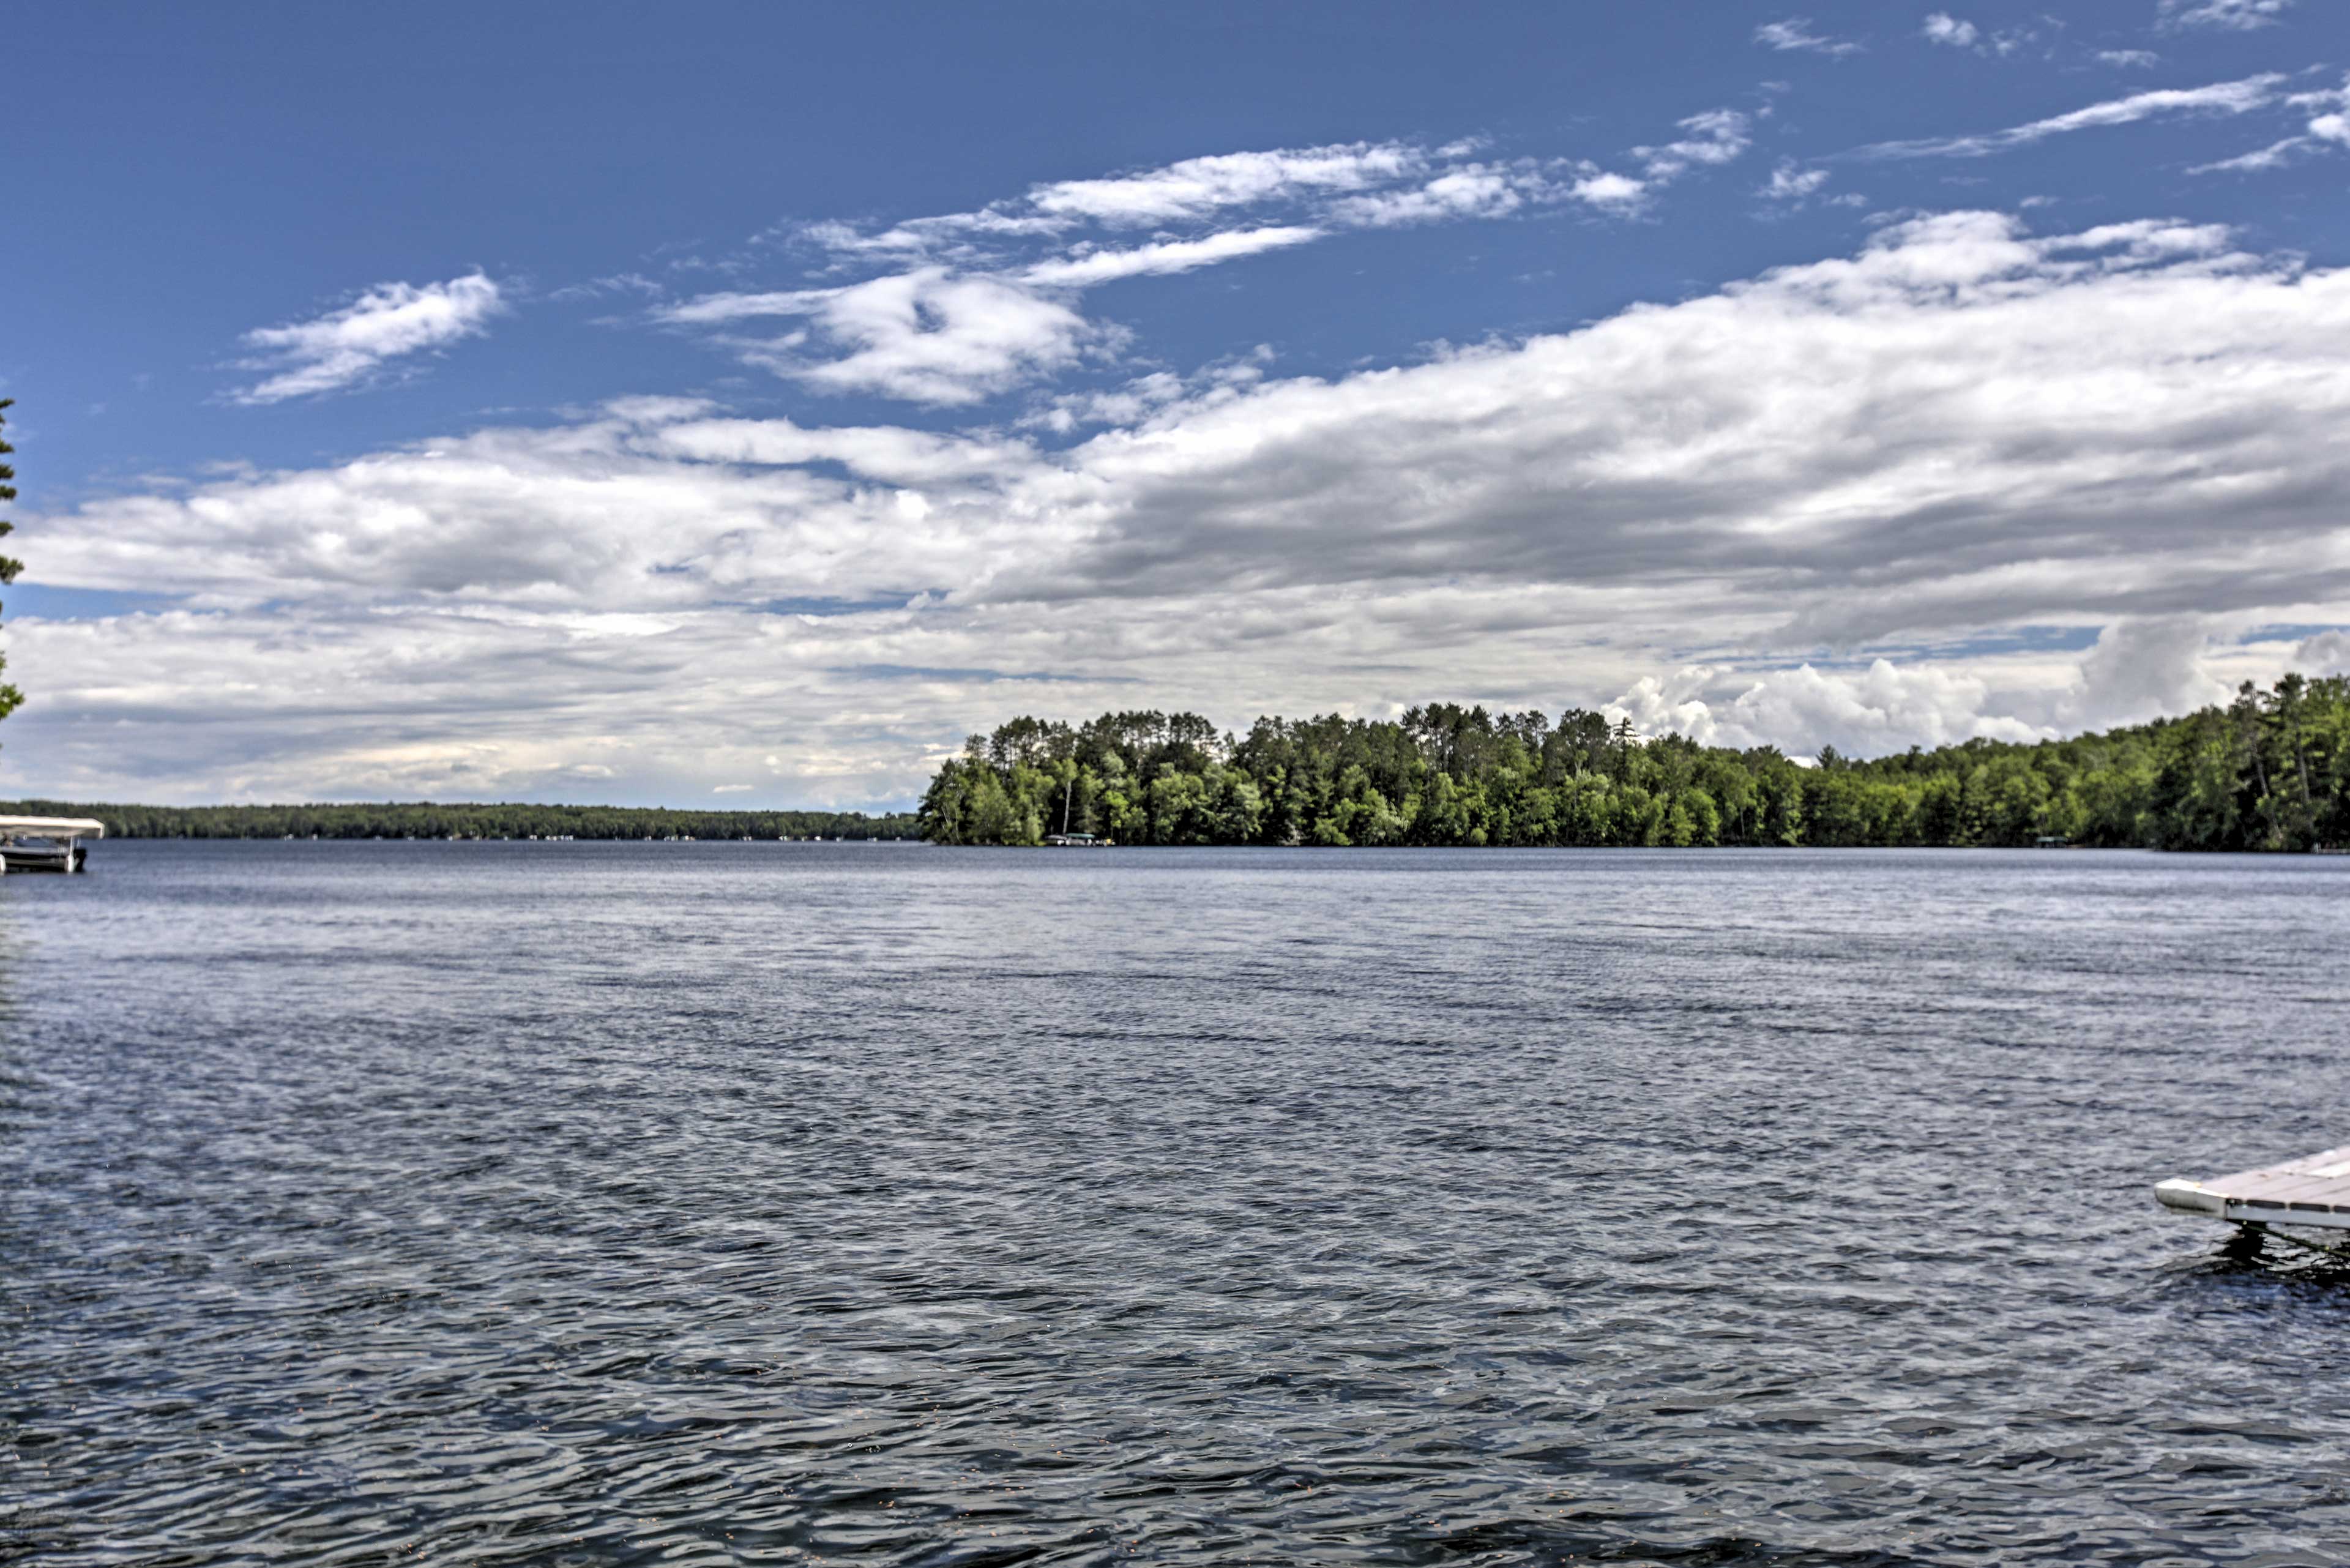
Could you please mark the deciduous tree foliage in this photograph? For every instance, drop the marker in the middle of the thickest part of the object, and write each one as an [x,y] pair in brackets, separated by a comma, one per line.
[2270,771]
[9,566]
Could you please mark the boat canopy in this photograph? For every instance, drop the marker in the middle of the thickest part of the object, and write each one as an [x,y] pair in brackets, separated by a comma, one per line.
[55,827]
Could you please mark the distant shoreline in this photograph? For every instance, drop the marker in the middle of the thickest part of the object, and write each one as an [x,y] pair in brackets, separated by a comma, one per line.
[429,819]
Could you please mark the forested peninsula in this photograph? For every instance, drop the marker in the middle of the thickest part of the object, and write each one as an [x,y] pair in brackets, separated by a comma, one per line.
[2269,771]
[424,819]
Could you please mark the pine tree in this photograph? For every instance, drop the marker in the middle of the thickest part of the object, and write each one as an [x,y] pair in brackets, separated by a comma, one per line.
[9,695]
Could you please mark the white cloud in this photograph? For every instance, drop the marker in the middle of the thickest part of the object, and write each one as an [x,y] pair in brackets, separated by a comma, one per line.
[1795,33]
[2237,14]
[1792,182]
[1718,136]
[926,335]
[976,304]
[1953,32]
[713,310]
[1941,28]
[1601,188]
[2221,99]
[2144,669]
[621,283]
[1861,713]
[1147,395]
[345,347]
[1456,457]
[2129,60]
[965,315]
[1472,190]
[1196,187]
[1093,266]
[1193,192]
[1961,429]
[2327,127]
[1325,189]
[2327,653]
[2136,670]
[2274,155]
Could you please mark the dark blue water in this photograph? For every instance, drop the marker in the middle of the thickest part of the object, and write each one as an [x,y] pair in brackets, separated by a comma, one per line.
[727,1202]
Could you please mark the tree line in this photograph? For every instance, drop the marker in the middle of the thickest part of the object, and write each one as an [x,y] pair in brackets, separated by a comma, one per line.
[2269,771]
[424,819]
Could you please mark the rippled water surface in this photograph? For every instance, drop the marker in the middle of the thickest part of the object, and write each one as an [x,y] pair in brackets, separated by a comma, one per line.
[621,1203]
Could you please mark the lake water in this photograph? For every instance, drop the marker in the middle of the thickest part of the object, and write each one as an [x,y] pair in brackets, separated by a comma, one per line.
[629,1203]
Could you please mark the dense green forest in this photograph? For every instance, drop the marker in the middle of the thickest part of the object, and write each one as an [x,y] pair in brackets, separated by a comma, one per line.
[424,819]
[2270,771]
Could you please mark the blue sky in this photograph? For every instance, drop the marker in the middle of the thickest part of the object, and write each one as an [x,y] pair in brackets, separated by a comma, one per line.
[738,403]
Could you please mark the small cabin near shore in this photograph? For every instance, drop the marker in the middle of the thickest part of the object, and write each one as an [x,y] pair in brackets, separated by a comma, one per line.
[46,843]
[1075,841]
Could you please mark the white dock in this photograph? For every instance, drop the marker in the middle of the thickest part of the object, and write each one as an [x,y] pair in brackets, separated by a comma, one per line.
[2313,1190]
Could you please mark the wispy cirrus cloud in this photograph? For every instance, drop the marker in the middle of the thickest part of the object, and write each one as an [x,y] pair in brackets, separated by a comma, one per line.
[1791,182]
[1718,136]
[971,304]
[347,347]
[1196,187]
[1168,256]
[2327,127]
[1191,190]
[1953,32]
[1333,188]
[2241,15]
[1794,33]
[976,303]
[2219,99]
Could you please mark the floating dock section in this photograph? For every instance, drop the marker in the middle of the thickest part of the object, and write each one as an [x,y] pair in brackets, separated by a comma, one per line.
[2313,1190]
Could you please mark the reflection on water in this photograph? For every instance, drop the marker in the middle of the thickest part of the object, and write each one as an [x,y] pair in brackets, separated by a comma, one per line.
[718,1203]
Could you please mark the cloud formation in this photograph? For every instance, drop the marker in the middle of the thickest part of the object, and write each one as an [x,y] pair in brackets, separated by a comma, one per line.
[1197,187]
[1941,28]
[2136,670]
[1093,266]
[2327,127]
[1718,136]
[967,306]
[1790,181]
[1954,33]
[1865,713]
[345,348]
[2241,15]
[2219,99]
[1794,33]
[2327,653]
[928,336]
[1918,453]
